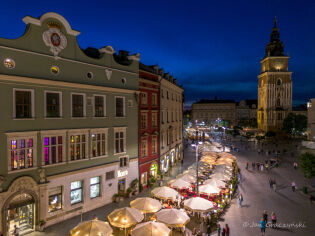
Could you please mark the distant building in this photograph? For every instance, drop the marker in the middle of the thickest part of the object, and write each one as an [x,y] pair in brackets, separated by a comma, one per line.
[300,110]
[274,85]
[311,119]
[246,109]
[210,111]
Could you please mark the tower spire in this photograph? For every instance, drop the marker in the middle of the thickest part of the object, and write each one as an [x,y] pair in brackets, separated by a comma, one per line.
[275,22]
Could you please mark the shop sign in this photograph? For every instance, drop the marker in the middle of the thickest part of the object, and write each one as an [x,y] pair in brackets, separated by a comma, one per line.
[122,173]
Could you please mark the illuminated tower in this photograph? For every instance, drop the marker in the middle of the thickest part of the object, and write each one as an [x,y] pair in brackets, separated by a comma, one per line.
[274,85]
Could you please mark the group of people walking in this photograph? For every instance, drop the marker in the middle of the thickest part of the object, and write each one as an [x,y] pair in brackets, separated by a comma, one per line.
[223,232]
[264,222]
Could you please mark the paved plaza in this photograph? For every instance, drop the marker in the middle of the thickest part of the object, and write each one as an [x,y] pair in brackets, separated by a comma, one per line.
[290,207]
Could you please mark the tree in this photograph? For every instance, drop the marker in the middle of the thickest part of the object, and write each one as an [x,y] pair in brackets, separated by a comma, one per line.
[294,124]
[307,164]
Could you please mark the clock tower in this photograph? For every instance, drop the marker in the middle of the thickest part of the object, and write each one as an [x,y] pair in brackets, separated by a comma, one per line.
[274,85]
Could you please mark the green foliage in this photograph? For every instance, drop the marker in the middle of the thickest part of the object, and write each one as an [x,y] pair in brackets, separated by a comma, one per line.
[41,222]
[129,190]
[140,187]
[307,164]
[134,183]
[295,124]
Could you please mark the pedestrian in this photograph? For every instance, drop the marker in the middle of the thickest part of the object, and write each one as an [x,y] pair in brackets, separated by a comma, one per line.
[246,166]
[274,185]
[258,165]
[227,230]
[240,200]
[262,224]
[219,230]
[265,216]
[293,185]
[16,231]
[312,198]
[295,165]
[253,165]
[273,220]
[270,182]
[223,232]
[194,232]
[262,167]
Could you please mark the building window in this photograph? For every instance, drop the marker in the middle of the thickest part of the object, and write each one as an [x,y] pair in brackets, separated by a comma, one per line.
[167,96]
[154,145]
[110,175]
[120,106]
[99,143]
[24,103]
[99,106]
[53,104]
[162,93]
[154,99]
[144,148]
[144,178]
[154,119]
[167,117]
[95,187]
[144,118]
[77,146]
[123,162]
[279,82]
[144,98]
[78,105]
[120,137]
[53,149]
[21,153]
[55,199]
[278,102]
[162,140]
[76,192]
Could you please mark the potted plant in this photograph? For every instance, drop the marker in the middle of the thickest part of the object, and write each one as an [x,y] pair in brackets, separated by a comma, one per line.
[140,188]
[129,192]
[41,225]
[115,197]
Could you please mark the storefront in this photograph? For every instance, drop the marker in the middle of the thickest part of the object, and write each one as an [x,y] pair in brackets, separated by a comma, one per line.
[20,207]
[21,213]
[153,170]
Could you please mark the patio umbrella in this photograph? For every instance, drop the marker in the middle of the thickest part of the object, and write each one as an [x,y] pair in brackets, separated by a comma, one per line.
[187,178]
[209,189]
[172,217]
[146,205]
[125,217]
[215,182]
[220,176]
[164,193]
[151,229]
[198,204]
[180,183]
[91,228]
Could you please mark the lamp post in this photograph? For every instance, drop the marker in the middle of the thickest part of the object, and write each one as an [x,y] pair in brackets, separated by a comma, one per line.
[197,166]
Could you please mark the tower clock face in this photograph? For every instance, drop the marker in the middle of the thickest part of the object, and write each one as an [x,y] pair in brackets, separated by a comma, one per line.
[55,39]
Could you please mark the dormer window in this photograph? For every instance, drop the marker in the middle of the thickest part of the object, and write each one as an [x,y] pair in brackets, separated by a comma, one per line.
[279,82]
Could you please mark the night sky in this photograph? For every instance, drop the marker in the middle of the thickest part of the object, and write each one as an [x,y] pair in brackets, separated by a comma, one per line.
[212,47]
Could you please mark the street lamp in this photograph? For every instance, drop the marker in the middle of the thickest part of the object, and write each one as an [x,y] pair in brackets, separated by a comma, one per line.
[197,165]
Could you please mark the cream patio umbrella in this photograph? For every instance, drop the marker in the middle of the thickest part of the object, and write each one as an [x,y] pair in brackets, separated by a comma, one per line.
[146,205]
[198,204]
[220,176]
[215,182]
[172,217]
[187,178]
[164,193]
[125,217]
[180,183]
[151,229]
[209,189]
[92,228]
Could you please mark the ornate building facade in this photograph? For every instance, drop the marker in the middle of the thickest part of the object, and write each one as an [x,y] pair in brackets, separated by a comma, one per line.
[149,123]
[67,127]
[274,85]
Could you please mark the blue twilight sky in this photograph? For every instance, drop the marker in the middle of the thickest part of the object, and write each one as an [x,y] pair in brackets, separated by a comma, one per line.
[212,47]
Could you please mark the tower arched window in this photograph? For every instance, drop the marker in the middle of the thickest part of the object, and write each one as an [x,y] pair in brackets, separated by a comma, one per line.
[278,102]
[279,82]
